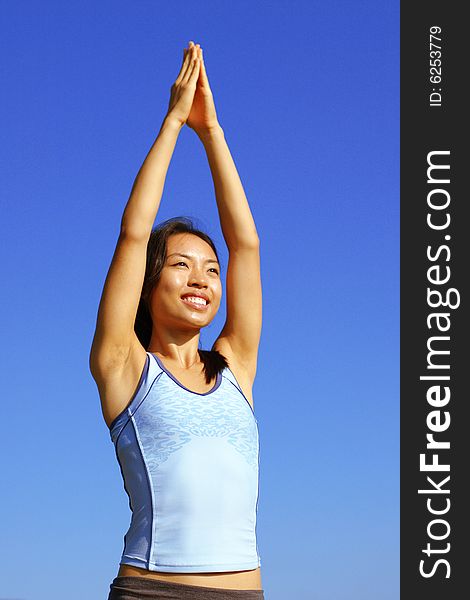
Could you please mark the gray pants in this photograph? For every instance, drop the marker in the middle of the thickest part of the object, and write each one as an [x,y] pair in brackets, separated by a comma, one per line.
[144,588]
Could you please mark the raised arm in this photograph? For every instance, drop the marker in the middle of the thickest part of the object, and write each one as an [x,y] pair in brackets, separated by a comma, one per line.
[114,335]
[241,333]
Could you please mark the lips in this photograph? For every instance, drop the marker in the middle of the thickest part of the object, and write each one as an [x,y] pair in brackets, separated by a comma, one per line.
[194,305]
[196,295]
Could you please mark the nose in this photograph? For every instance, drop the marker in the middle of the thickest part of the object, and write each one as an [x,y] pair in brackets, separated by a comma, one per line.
[197,277]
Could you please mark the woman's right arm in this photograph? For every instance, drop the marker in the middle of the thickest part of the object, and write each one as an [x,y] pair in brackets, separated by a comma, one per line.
[114,334]
[123,285]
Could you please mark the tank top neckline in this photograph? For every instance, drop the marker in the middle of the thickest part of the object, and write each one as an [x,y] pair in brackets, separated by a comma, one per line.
[217,383]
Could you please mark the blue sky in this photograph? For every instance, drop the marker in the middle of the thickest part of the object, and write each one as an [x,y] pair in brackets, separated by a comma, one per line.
[308,96]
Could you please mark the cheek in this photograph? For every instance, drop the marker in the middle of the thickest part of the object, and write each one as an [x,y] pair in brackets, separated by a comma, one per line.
[218,293]
[172,283]
[164,294]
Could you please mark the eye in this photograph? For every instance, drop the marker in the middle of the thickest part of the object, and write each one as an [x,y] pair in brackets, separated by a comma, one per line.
[214,269]
[181,262]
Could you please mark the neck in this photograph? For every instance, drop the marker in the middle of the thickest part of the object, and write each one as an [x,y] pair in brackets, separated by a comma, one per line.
[181,349]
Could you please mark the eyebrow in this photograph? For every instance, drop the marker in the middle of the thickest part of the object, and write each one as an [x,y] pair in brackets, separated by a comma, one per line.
[190,257]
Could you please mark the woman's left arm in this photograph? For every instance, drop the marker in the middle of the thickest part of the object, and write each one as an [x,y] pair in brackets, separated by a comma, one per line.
[242,329]
[236,220]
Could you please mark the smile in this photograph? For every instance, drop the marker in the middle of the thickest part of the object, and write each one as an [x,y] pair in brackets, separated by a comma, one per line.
[195,302]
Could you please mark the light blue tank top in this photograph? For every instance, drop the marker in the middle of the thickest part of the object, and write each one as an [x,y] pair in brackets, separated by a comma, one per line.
[190,466]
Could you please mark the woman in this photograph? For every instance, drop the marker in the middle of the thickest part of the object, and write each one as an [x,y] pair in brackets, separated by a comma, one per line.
[181,418]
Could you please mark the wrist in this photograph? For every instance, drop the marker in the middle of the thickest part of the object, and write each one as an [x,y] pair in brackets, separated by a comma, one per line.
[172,122]
[210,133]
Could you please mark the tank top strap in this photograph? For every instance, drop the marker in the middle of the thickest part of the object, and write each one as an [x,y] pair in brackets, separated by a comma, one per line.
[150,374]
[156,368]
[228,374]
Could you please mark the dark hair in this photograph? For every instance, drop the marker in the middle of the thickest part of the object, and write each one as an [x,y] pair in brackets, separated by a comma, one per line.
[214,362]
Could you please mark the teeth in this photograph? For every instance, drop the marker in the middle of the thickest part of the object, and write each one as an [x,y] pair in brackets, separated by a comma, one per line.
[195,300]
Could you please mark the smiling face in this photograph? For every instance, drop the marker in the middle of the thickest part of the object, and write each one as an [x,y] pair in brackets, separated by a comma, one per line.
[191,271]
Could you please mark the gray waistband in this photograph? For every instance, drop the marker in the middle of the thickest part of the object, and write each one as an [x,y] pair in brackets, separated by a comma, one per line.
[134,588]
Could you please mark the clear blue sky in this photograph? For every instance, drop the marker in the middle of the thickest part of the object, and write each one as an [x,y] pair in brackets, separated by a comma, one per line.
[308,96]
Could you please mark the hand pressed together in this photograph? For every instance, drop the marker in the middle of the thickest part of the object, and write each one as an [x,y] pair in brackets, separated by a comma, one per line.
[191,100]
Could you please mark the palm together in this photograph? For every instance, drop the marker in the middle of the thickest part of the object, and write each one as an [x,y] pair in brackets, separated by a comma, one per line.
[191,99]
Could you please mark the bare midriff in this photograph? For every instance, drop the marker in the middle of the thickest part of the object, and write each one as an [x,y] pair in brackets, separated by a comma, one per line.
[233,580]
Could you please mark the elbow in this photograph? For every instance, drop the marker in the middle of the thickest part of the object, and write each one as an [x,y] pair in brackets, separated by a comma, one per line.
[252,243]
[133,232]
[246,243]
